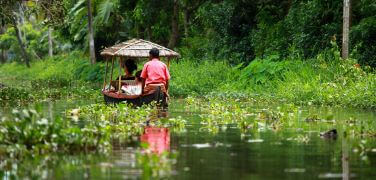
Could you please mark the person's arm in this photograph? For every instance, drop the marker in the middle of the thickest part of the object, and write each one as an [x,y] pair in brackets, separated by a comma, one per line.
[143,76]
[168,77]
[143,85]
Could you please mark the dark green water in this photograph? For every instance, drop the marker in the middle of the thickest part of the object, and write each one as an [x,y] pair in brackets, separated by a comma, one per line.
[264,154]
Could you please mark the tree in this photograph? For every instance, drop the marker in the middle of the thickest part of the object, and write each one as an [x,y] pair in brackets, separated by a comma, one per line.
[12,13]
[53,12]
[91,33]
[3,55]
[50,45]
[174,26]
[346,28]
[189,7]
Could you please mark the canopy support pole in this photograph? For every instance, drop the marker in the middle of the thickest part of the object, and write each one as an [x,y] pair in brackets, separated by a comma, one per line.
[112,68]
[168,62]
[105,74]
[119,88]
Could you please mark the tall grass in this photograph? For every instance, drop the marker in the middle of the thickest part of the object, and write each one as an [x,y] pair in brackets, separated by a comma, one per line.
[326,79]
[62,68]
[190,77]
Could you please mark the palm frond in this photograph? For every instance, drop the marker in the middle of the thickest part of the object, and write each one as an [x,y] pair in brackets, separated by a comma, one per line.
[104,11]
[77,6]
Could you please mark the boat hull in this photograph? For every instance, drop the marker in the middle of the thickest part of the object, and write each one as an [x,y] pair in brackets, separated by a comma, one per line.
[158,97]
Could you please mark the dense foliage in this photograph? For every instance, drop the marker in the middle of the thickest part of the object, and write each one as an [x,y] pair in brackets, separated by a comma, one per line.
[235,54]
[325,79]
[286,49]
[231,30]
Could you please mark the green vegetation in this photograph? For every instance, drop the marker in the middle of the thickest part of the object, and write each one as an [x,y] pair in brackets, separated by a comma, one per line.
[28,133]
[324,80]
[90,129]
[60,70]
[280,55]
[65,76]
[285,50]
[217,114]
[87,128]
[236,31]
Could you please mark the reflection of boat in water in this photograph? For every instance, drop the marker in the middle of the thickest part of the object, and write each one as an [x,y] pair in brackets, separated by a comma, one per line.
[157,138]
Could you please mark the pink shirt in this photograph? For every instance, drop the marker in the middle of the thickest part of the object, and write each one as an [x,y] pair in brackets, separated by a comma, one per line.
[157,138]
[154,72]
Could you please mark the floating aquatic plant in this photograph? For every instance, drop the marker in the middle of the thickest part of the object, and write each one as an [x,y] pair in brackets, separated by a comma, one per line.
[28,132]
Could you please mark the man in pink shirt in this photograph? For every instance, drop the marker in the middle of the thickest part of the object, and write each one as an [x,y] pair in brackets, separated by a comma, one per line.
[155,72]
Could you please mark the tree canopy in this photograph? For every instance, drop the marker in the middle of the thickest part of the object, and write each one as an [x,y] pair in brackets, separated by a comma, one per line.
[235,30]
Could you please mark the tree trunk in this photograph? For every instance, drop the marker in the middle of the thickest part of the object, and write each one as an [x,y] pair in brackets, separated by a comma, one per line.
[3,58]
[186,22]
[91,33]
[21,18]
[289,4]
[50,45]
[3,55]
[346,28]
[22,46]
[174,26]
[148,33]
[137,31]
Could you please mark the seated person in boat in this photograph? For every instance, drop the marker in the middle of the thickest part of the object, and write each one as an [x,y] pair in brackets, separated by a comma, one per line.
[129,67]
[155,73]
[133,87]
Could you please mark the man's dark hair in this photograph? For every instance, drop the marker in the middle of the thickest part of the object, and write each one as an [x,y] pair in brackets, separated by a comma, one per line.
[131,65]
[154,52]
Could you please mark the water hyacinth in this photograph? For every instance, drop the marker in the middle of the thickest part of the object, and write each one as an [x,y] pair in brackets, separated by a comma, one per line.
[123,120]
[30,133]
[218,113]
[47,89]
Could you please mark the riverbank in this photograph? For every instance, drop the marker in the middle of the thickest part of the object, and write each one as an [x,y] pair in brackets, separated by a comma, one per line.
[325,80]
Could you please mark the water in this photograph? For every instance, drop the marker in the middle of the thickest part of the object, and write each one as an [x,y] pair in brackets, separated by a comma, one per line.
[265,154]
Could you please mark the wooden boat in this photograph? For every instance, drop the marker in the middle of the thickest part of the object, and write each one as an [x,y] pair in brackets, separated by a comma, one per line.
[138,50]
[113,97]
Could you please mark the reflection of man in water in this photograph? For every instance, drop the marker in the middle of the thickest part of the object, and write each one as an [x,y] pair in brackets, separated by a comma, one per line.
[157,138]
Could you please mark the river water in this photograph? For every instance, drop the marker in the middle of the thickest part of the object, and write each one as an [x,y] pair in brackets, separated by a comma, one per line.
[228,154]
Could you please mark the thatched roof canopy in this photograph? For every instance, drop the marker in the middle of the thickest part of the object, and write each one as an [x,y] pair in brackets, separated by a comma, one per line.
[137,48]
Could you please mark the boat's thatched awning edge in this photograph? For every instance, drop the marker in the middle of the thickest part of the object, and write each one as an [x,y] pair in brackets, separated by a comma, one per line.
[137,48]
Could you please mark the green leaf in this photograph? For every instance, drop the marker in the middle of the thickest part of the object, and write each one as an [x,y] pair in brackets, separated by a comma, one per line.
[104,11]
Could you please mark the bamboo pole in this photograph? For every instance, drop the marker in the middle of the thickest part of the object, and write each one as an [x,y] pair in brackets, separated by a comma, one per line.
[119,76]
[168,63]
[105,74]
[112,68]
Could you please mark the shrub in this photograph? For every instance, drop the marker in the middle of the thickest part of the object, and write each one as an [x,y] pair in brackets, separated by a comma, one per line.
[189,77]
